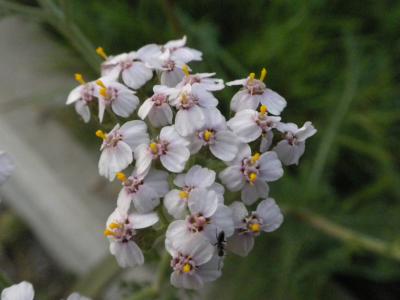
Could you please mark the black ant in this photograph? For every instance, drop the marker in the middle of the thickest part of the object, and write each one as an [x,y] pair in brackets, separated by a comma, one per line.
[221,242]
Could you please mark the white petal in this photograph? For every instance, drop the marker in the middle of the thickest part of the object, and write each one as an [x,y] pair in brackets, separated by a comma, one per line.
[175,158]
[124,200]
[239,212]
[270,213]
[226,146]
[210,271]
[161,115]
[127,254]
[237,82]
[250,193]
[145,108]
[206,99]
[222,219]
[76,296]
[125,104]
[203,201]
[145,199]
[186,281]
[21,291]
[171,78]
[137,75]
[187,121]
[274,102]
[74,95]
[244,151]
[199,177]
[176,43]
[266,141]
[83,110]
[158,182]
[240,244]
[305,132]
[243,100]
[289,154]
[270,167]
[134,133]
[175,206]
[139,221]
[143,158]
[115,159]
[232,178]
[243,124]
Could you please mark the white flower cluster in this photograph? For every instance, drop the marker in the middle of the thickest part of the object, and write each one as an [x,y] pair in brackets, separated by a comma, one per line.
[183,119]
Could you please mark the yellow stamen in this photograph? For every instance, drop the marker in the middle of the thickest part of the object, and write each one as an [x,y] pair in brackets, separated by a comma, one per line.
[100,83]
[252,177]
[154,148]
[185,70]
[183,194]
[79,78]
[100,51]
[121,176]
[263,74]
[103,92]
[187,268]
[207,135]
[255,158]
[114,225]
[108,232]
[263,110]
[184,98]
[251,76]
[255,227]
[101,134]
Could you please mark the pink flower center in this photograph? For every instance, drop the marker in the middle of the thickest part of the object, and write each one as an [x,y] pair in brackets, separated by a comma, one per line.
[120,231]
[197,222]
[183,264]
[159,99]
[255,86]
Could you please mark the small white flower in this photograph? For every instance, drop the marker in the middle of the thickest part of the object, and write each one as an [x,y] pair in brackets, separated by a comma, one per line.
[121,231]
[134,72]
[169,147]
[144,191]
[7,166]
[193,263]
[255,92]
[267,218]
[249,125]
[207,216]
[250,174]
[214,133]
[203,79]
[21,291]
[292,147]
[192,103]
[157,107]
[176,201]
[122,100]
[180,52]
[118,145]
[83,95]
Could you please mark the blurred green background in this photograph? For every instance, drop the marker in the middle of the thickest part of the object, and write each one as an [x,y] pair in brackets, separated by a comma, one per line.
[338,64]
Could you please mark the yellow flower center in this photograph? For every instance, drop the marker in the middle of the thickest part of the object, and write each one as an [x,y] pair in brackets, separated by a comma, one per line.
[183,195]
[263,74]
[252,177]
[121,176]
[79,78]
[154,148]
[109,231]
[187,268]
[255,227]
[263,110]
[100,51]
[255,158]
[207,135]
[101,134]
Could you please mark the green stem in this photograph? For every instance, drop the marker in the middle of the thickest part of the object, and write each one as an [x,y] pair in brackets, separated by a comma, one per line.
[25,10]
[351,237]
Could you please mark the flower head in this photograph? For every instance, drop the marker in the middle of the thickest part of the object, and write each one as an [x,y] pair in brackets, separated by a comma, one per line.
[121,231]
[254,92]
[267,218]
[292,147]
[118,145]
[250,173]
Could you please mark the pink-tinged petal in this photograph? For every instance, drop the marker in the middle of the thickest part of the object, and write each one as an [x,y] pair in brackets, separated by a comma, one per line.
[244,151]
[134,133]
[143,158]
[274,102]
[244,125]
[225,146]
[171,78]
[124,200]
[137,75]
[187,121]
[203,201]
[206,99]
[243,100]
[139,221]
[74,95]
[161,115]
[125,104]
[270,167]
[175,206]
[232,178]
[127,254]
[186,54]
[270,213]
[239,212]
[83,110]
[240,244]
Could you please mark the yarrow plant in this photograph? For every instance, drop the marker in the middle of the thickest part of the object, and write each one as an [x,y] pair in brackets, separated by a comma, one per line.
[177,145]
